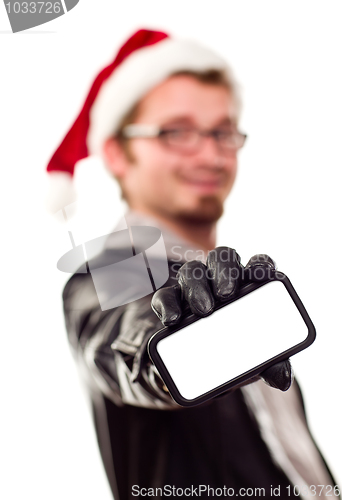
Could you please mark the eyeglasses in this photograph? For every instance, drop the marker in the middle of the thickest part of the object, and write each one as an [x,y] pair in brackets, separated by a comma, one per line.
[186,139]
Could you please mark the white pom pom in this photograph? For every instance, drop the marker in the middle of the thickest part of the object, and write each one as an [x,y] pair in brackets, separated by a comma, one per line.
[61,191]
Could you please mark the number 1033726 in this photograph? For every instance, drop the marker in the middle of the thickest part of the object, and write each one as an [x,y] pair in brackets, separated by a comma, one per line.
[34,7]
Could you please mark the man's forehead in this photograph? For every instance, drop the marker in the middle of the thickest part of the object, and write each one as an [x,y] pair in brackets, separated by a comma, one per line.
[185,99]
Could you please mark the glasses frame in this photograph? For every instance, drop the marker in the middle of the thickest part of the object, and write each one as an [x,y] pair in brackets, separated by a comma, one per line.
[140,130]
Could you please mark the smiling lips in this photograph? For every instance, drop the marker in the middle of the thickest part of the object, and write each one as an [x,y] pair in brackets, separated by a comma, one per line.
[207,184]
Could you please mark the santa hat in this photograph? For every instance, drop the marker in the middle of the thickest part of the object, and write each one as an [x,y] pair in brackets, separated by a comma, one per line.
[144,61]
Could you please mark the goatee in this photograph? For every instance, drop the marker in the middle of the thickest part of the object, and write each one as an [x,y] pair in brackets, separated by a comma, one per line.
[208,211]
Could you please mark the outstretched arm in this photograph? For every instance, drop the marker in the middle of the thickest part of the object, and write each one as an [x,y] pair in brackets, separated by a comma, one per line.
[110,347]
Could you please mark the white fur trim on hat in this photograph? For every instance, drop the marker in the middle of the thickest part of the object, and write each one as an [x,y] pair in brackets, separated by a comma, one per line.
[139,73]
[61,191]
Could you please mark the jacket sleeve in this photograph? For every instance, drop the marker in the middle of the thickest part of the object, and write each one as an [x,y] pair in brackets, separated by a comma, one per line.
[110,347]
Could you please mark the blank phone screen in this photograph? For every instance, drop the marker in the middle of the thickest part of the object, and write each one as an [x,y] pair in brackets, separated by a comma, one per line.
[233,340]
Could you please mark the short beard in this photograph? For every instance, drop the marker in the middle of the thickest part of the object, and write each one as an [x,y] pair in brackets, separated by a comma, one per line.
[209,210]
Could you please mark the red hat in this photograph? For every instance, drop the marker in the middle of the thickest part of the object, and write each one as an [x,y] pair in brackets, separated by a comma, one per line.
[144,61]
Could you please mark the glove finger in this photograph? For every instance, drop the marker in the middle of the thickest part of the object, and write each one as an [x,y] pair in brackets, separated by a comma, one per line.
[260,267]
[166,303]
[192,278]
[279,375]
[224,270]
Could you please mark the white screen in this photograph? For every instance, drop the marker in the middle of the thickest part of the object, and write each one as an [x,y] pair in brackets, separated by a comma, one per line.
[233,340]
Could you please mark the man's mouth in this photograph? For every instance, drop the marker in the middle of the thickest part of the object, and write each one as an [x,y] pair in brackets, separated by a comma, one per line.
[204,185]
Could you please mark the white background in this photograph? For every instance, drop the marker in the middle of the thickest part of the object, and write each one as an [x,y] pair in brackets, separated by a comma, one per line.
[286,202]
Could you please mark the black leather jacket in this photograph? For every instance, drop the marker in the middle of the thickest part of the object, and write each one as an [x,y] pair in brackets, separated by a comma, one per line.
[145,438]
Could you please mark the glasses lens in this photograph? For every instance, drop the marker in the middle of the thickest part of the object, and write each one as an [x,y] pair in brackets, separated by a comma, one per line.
[230,140]
[185,138]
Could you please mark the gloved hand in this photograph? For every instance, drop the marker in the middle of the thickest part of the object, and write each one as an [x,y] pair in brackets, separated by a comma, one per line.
[200,286]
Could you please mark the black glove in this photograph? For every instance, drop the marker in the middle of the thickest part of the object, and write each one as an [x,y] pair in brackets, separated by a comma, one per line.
[200,286]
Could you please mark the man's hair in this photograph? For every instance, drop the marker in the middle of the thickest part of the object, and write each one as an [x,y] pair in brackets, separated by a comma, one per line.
[209,77]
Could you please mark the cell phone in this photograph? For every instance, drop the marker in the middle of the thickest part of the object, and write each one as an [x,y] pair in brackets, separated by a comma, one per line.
[201,358]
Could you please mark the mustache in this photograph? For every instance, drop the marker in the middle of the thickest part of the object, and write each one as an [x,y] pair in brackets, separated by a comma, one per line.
[204,175]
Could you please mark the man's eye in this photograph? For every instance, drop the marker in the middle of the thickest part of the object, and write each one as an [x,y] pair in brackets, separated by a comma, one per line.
[223,134]
[178,133]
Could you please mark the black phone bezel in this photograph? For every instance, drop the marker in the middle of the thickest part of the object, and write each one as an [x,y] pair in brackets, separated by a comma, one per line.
[237,381]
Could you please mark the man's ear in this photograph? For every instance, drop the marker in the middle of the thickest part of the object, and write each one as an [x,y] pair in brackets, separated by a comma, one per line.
[115,157]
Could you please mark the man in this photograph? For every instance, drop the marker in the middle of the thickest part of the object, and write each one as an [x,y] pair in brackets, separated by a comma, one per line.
[164,116]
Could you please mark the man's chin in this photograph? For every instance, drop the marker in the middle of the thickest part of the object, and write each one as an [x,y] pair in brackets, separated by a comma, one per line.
[208,210]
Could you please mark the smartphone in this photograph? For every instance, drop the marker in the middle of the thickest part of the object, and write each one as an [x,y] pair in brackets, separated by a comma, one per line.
[201,358]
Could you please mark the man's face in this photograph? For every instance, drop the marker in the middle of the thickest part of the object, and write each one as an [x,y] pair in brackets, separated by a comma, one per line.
[163,180]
